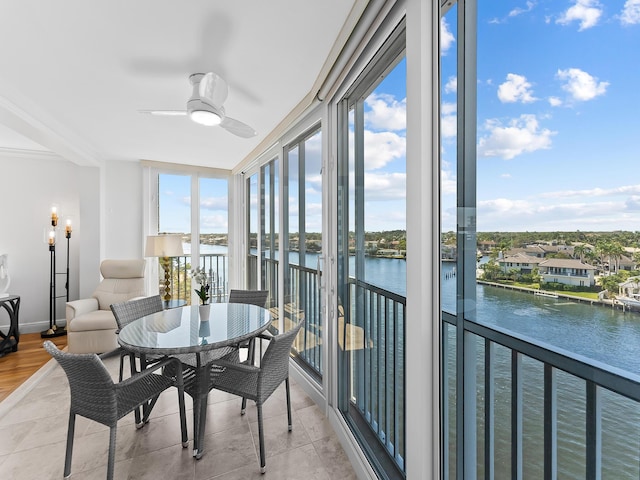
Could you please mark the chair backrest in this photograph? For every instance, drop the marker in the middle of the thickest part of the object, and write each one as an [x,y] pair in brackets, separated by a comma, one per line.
[253,297]
[274,365]
[127,312]
[93,392]
[122,281]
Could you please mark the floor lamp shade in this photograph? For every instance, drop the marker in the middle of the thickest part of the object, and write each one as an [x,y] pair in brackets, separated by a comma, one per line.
[164,247]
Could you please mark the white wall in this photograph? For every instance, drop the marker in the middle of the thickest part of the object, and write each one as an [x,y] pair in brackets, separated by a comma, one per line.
[29,186]
[123,200]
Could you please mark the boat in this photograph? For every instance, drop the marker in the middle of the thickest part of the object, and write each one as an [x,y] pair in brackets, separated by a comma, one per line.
[632,303]
[545,294]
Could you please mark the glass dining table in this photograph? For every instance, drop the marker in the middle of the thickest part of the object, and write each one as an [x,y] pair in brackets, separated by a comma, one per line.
[180,332]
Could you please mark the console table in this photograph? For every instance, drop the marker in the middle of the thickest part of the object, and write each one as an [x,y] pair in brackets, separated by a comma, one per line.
[9,342]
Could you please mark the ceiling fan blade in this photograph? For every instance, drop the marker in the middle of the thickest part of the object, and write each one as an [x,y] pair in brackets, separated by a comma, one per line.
[214,88]
[238,128]
[164,113]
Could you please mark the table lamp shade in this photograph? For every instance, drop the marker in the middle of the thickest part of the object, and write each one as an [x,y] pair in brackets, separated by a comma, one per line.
[164,246]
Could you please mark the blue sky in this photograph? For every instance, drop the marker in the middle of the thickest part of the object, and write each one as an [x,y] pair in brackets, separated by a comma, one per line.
[557,125]
[558,131]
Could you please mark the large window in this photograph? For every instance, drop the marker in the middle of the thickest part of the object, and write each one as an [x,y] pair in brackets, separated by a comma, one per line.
[538,219]
[176,211]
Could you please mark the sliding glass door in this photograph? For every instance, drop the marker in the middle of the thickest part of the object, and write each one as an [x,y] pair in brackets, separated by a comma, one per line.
[302,262]
[372,259]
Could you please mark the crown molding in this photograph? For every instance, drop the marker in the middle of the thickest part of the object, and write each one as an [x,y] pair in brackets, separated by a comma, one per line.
[29,154]
[31,124]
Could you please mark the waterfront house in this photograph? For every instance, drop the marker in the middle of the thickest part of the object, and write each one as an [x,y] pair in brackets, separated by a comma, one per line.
[529,250]
[486,246]
[567,271]
[625,262]
[521,262]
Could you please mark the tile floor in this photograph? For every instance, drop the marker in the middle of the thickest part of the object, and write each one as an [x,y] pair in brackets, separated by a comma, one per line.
[33,433]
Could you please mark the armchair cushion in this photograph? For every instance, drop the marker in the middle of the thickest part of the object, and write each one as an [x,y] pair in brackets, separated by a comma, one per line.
[95,320]
[122,280]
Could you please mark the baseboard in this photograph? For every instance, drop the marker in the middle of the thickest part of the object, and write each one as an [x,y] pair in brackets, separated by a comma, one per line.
[33,327]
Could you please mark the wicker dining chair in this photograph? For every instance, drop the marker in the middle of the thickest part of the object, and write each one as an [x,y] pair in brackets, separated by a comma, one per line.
[253,297]
[258,382]
[127,312]
[95,396]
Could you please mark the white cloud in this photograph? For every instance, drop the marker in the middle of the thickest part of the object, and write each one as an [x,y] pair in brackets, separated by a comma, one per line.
[595,208]
[633,203]
[380,148]
[515,89]
[521,135]
[555,101]
[448,120]
[587,12]
[513,13]
[214,203]
[505,175]
[214,223]
[452,85]
[519,11]
[580,85]
[446,37]
[386,113]
[502,214]
[385,186]
[448,182]
[595,192]
[630,12]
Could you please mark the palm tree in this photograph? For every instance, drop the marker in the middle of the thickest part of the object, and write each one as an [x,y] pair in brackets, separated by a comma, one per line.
[615,252]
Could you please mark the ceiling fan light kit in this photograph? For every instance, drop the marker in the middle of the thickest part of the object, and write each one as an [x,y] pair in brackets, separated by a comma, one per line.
[204,117]
[205,105]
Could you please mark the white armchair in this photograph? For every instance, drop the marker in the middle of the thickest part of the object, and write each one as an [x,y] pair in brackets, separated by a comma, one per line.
[91,326]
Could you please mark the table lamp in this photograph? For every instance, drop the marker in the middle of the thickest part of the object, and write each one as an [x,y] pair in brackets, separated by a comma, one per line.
[164,247]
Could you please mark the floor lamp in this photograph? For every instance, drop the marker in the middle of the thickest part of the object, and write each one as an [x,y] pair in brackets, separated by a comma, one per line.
[54,330]
[164,247]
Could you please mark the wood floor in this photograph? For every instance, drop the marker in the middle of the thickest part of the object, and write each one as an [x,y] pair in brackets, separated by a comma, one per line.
[16,367]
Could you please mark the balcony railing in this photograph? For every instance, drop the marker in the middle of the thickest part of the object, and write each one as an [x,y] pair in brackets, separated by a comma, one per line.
[305,305]
[374,337]
[371,334]
[547,416]
[215,264]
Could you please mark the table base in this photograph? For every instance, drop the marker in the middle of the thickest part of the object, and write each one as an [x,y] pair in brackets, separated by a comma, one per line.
[50,333]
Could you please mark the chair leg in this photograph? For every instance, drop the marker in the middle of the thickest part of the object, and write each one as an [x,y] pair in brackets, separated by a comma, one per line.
[120,373]
[203,420]
[286,384]
[263,467]
[70,431]
[132,366]
[243,408]
[183,418]
[112,452]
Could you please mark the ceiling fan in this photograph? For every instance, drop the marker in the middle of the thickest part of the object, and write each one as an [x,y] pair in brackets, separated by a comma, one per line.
[205,107]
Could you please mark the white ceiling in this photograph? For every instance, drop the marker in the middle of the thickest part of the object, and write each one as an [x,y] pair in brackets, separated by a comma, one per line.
[75,73]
